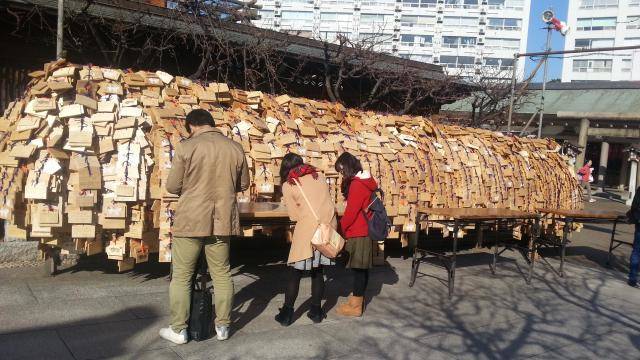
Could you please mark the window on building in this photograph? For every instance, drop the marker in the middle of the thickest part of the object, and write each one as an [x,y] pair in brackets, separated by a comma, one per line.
[377,20]
[416,40]
[421,57]
[504,24]
[596,24]
[465,4]
[343,3]
[419,3]
[630,41]
[593,65]
[335,21]
[496,4]
[627,65]
[378,3]
[331,36]
[296,20]
[500,43]
[458,41]
[460,21]
[514,5]
[297,15]
[633,22]
[376,38]
[500,63]
[598,4]
[266,15]
[634,3]
[416,20]
[460,62]
[593,43]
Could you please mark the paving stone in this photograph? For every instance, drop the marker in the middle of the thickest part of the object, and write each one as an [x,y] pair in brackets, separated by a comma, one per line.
[118,338]
[160,354]
[60,314]
[303,342]
[44,345]
[16,294]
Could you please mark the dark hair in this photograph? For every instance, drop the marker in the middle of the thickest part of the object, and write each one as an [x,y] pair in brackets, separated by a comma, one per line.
[289,162]
[199,117]
[348,165]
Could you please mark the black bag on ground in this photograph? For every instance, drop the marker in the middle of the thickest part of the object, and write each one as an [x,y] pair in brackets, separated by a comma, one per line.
[378,222]
[201,316]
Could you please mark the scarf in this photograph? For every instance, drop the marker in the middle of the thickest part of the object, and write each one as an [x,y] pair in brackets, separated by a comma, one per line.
[300,171]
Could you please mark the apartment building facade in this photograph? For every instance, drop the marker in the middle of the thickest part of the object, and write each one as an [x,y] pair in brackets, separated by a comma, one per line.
[598,24]
[467,37]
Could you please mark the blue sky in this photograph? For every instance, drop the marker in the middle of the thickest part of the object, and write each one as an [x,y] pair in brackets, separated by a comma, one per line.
[537,35]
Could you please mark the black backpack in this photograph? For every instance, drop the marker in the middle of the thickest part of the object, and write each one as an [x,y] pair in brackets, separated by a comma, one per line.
[201,315]
[378,222]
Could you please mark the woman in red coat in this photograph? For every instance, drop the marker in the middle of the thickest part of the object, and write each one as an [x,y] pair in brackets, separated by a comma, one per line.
[357,186]
[585,177]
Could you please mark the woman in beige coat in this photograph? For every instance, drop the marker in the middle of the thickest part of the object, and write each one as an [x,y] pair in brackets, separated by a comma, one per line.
[302,256]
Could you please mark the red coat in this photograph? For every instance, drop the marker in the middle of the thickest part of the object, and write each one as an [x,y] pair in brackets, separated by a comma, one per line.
[585,172]
[353,224]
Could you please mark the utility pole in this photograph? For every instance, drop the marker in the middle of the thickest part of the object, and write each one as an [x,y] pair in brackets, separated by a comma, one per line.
[60,32]
[513,90]
[544,80]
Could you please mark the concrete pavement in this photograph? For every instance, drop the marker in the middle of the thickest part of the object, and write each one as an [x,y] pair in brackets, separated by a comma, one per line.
[93,314]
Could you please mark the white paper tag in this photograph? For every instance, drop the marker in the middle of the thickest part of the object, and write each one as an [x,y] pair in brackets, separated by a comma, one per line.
[52,166]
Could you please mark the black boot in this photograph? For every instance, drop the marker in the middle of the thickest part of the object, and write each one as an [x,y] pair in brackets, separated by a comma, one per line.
[316,314]
[285,316]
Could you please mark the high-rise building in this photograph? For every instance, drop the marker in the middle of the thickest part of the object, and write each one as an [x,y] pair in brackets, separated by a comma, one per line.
[466,37]
[598,24]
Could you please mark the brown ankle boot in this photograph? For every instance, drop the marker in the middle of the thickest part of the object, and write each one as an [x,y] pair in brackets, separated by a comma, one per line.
[352,308]
[345,306]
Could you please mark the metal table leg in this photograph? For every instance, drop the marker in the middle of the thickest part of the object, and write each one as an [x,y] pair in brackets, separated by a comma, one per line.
[563,245]
[495,256]
[480,234]
[613,235]
[452,270]
[532,247]
[415,263]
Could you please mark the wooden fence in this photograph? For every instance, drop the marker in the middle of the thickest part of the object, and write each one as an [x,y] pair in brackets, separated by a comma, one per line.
[13,82]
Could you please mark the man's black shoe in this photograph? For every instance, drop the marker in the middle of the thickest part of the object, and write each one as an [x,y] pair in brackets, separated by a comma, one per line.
[632,283]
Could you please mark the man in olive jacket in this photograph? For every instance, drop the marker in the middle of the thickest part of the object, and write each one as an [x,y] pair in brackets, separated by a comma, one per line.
[207,171]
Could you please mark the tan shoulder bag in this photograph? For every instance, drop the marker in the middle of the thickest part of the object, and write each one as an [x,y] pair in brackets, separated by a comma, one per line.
[326,239]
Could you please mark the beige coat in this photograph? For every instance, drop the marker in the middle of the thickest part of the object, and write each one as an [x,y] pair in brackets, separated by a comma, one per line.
[317,191]
[207,171]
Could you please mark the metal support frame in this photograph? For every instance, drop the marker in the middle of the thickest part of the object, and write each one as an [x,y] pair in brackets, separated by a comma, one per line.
[564,241]
[527,253]
[616,242]
[449,260]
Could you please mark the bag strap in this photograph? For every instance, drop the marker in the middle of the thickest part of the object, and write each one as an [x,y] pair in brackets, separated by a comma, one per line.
[307,200]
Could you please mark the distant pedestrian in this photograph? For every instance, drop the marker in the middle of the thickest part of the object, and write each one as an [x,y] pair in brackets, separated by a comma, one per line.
[634,217]
[357,187]
[586,178]
[302,256]
[207,171]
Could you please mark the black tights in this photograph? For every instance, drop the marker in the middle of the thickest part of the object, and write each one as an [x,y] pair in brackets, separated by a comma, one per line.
[360,281]
[317,286]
